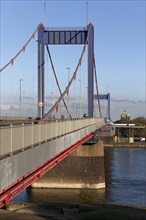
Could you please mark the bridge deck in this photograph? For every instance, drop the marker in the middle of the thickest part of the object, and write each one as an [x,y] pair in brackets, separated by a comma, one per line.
[19,137]
[23,149]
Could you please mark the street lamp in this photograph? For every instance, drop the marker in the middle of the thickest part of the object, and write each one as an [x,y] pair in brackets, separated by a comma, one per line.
[51,98]
[86,98]
[68,83]
[20,98]
[80,99]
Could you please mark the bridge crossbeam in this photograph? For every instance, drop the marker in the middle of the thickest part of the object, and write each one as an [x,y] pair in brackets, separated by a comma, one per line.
[65,35]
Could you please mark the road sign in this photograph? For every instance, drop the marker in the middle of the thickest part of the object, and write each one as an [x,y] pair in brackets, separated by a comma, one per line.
[40,104]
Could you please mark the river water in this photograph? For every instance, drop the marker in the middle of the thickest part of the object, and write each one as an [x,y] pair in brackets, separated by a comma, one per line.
[125,171]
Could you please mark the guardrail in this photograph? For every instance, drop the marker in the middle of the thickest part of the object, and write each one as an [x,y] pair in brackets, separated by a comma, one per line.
[19,137]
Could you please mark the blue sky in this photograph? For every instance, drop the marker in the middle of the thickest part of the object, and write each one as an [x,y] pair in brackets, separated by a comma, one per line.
[119,51]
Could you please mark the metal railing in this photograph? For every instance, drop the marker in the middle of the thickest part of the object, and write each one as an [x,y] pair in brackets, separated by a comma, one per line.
[16,138]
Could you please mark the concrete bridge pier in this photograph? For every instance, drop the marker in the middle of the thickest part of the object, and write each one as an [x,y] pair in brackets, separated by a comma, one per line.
[84,168]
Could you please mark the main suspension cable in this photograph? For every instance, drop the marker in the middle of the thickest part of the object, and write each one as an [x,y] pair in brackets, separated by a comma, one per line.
[21,50]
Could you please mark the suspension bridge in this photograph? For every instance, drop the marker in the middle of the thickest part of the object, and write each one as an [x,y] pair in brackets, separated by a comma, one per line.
[29,149]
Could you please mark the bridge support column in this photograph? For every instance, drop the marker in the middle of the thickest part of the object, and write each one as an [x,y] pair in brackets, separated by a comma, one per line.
[84,168]
[90,70]
[41,87]
[109,116]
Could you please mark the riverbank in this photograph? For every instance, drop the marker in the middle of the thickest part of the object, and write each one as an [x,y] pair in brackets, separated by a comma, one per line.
[109,141]
[58,211]
[125,145]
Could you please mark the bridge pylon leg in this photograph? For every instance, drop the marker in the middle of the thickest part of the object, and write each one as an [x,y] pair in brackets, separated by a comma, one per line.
[41,73]
[90,70]
[109,116]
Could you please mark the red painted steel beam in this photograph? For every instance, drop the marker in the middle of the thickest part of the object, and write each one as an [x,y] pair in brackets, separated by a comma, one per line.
[22,183]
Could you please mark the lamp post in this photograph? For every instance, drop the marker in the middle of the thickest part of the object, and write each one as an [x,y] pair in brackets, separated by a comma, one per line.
[51,98]
[80,99]
[20,98]
[86,99]
[68,84]
[52,103]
